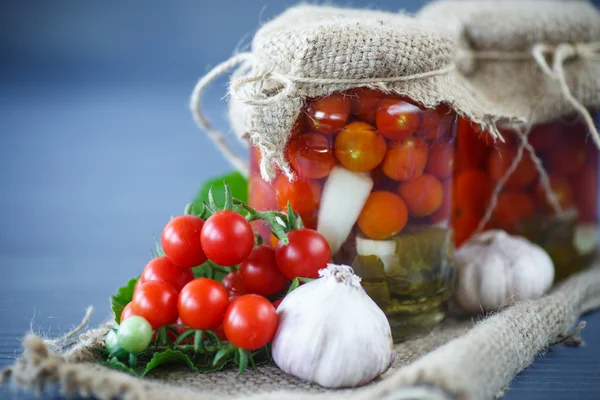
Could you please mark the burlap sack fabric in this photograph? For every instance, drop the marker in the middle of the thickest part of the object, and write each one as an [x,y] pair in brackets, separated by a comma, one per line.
[513,53]
[460,359]
[312,51]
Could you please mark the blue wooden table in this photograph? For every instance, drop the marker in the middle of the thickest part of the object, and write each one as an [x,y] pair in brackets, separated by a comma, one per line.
[98,150]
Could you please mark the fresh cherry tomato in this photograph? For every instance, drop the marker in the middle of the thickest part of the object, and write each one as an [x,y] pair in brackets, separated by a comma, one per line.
[365,102]
[442,214]
[227,238]
[156,301]
[328,114]
[422,196]
[436,124]
[162,269]
[202,304]
[134,334]
[127,312]
[359,147]
[472,146]
[383,215]
[405,159]
[181,241]
[472,190]
[562,189]
[501,160]
[250,322]
[261,195]
[220,331]
[512,208]
[303,195]
[311,155]
[397,119]
[306,253]
[259,272]
[232,282]
[440,160]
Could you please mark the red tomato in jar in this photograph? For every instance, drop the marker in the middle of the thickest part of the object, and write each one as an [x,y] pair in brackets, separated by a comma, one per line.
[472,190]
[440,160]
[156,301]
[472,146]
[512,209]
[311,155]
[328,114]
[569,157]
[464,223]
[181,241]
[162,269]
[422,196]
[359,147]
[436,124]
[500,161]
[306,253]
[365,102]
[586,193]
[383,215]
[443,213]
[304,195]
[250,322]
[405,159]
[562,189]
[260,274]
[227,238]
[261,194]
[127,312]
[544,137]
[202,304]
[232,282]
[397,119]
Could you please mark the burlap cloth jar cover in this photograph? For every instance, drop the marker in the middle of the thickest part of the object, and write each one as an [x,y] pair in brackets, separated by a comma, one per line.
[469,358]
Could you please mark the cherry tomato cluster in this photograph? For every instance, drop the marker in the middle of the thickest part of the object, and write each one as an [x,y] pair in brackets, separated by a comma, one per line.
[238,308]
[408,151]
[572,167]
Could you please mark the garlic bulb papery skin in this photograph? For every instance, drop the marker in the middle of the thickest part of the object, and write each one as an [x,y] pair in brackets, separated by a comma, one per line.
[495,269]
[330,332]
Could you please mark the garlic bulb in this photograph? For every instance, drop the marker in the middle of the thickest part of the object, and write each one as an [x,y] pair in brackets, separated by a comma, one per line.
[495,269]
[331,332]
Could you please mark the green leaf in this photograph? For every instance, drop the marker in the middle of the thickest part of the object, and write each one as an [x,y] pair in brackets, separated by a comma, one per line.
[243,361]
[293,286]
[236,182]
[169,357]
[114,363]
[224,355]
[122,298]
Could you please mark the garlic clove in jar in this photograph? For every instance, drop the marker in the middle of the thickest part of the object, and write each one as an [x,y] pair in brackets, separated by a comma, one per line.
[330,332]
[495,269]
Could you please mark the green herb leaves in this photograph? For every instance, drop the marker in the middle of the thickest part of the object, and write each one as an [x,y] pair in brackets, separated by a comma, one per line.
[122,298]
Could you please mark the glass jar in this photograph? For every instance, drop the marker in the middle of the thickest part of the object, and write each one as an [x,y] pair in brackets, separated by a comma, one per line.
[374,176]
[553,204]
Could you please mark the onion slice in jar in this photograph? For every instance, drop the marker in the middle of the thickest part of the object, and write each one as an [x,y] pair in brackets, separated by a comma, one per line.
[385,250]
[344,195]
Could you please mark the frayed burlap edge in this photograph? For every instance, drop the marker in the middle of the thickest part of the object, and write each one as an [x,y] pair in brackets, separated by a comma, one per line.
[458,362]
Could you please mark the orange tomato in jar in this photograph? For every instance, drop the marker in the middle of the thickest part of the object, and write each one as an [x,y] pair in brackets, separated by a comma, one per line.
[472,190]
[359,147]
[365,102]
[443,213]
[500,160]
[303,194]
[562,189]
[422,196]
[436,124]
[328,114]
[472,146]
[440,160]
[396,118]
[511,209]
[405,159]
[311,155]
[383,215]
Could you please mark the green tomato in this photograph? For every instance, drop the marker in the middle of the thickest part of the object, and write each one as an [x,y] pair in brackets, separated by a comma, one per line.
[134,334]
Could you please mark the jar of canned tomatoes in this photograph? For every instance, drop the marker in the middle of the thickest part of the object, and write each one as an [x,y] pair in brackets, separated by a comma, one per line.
[373,174]
[538,64]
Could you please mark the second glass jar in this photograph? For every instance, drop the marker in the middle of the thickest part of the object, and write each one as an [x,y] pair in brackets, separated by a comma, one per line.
[374,176]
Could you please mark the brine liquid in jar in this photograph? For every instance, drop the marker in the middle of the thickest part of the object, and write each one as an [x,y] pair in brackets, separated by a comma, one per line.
[551,196]
[374,176]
